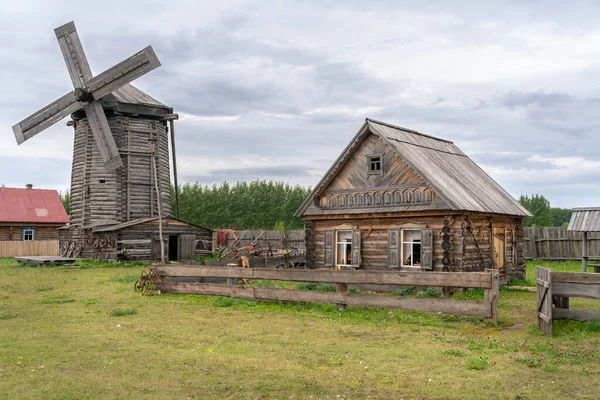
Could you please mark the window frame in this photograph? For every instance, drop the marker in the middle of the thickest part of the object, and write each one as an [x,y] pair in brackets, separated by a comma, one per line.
[370,159]
[402,243]
[345,244]
[24,232]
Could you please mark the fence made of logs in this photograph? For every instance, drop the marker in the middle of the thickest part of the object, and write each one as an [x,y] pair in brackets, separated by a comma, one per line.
[274,240]
[196,275]
[554,290]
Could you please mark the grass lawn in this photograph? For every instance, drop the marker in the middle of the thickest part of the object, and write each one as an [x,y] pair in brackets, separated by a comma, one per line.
[70,333]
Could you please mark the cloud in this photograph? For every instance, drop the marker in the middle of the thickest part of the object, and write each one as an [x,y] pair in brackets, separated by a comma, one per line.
[276,90]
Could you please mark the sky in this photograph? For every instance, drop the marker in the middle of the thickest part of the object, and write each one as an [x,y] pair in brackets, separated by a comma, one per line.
[276,89]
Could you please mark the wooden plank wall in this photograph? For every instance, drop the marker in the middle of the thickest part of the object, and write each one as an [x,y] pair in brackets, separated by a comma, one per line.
[556,243]
[277,239]
[33,248]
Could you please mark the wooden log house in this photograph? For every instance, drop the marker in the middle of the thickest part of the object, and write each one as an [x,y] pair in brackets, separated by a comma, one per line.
[115,214]
[29,214]
[402,200]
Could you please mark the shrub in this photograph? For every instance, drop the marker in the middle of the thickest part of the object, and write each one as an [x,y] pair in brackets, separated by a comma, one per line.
[476,363]
[119,312]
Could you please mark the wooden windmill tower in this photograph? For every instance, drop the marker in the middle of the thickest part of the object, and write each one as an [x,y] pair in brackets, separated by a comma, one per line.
[121,172]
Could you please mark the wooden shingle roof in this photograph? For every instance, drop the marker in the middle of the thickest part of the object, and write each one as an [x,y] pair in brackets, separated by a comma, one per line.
[585,220]
[461,183]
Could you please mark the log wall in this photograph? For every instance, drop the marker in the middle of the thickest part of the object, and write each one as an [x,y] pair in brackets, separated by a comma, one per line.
[470,240]
[42,232]
[129,192]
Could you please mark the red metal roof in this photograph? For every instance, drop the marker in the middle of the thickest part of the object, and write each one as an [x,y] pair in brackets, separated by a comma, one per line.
[32,206]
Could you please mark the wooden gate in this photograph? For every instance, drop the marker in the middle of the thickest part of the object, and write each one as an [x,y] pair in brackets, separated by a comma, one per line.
[543,282]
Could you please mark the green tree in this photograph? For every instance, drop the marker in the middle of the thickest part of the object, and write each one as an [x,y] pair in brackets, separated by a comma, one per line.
[539,206]
[243,205]
[561,216]
[65,197]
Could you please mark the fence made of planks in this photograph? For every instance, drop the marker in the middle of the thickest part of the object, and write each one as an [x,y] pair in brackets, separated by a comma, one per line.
[275,240]
[15,248]
[556,243]
[195,277]
[554,290]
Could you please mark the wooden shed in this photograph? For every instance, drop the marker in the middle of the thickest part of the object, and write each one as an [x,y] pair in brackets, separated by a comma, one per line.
[403,200]
[138,240]
[585,220]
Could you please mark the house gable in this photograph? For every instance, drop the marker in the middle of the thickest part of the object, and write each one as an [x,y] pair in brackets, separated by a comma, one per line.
[355,173]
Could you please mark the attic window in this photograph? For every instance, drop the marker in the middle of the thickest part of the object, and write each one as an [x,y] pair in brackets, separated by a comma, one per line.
[375,164]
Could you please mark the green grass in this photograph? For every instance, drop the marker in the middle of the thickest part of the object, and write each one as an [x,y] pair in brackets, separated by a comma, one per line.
[85,333]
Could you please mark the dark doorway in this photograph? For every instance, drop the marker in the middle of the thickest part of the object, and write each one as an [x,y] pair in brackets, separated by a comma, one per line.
[173,247]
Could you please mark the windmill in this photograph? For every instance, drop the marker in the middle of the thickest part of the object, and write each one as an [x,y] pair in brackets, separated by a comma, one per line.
[121,166]
[88,90]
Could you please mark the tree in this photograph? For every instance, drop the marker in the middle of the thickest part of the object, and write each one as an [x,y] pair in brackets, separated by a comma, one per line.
[539,206]
[561,216]
[243,205]
[65,197]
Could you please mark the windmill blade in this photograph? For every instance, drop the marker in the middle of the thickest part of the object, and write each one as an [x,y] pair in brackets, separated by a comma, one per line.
[46,117]
[103,136]
[72,50]
[125,72]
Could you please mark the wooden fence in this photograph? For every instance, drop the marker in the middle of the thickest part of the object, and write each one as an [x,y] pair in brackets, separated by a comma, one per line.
[28,248]
[555,288]
[196,275]
[555,243]
[277,240]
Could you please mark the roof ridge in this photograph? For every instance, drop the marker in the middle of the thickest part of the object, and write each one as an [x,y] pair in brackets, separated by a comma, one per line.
[408,130]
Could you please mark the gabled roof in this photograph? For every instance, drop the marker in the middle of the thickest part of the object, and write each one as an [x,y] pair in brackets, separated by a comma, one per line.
[31,206]
[585,220]
[461,183]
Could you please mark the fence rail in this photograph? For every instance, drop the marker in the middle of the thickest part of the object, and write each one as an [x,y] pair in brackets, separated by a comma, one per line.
[488,280]
[28,248]
[555,288]
[556,243]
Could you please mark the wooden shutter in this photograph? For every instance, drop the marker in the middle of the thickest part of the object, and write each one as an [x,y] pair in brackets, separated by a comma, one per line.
[427,249]
[187,247]
[393,248]
[356,243]
[329,249]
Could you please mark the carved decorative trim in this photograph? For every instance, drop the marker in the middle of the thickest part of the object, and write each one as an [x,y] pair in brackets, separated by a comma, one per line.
[378,198]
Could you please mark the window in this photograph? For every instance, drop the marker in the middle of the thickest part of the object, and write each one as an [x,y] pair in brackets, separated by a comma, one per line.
[343,248]
[375,165]
[411,247]
[28,234]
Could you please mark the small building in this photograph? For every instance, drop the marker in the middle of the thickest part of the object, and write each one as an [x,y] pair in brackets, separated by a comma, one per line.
[403,200]
[586,220]
[137,240]
[30,215]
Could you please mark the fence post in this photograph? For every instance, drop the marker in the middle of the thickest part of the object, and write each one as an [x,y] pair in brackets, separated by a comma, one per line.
[584,252]
[492,294]
[341,288]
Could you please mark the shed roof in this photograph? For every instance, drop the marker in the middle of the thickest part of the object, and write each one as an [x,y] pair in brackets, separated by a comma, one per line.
[123,225]
[585,220]
[462,184]
[31,206]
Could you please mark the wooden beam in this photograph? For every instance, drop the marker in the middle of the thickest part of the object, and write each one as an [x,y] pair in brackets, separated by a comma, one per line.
[444,279]
[575,277]
[578,315]
[457,307]
[576,290]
